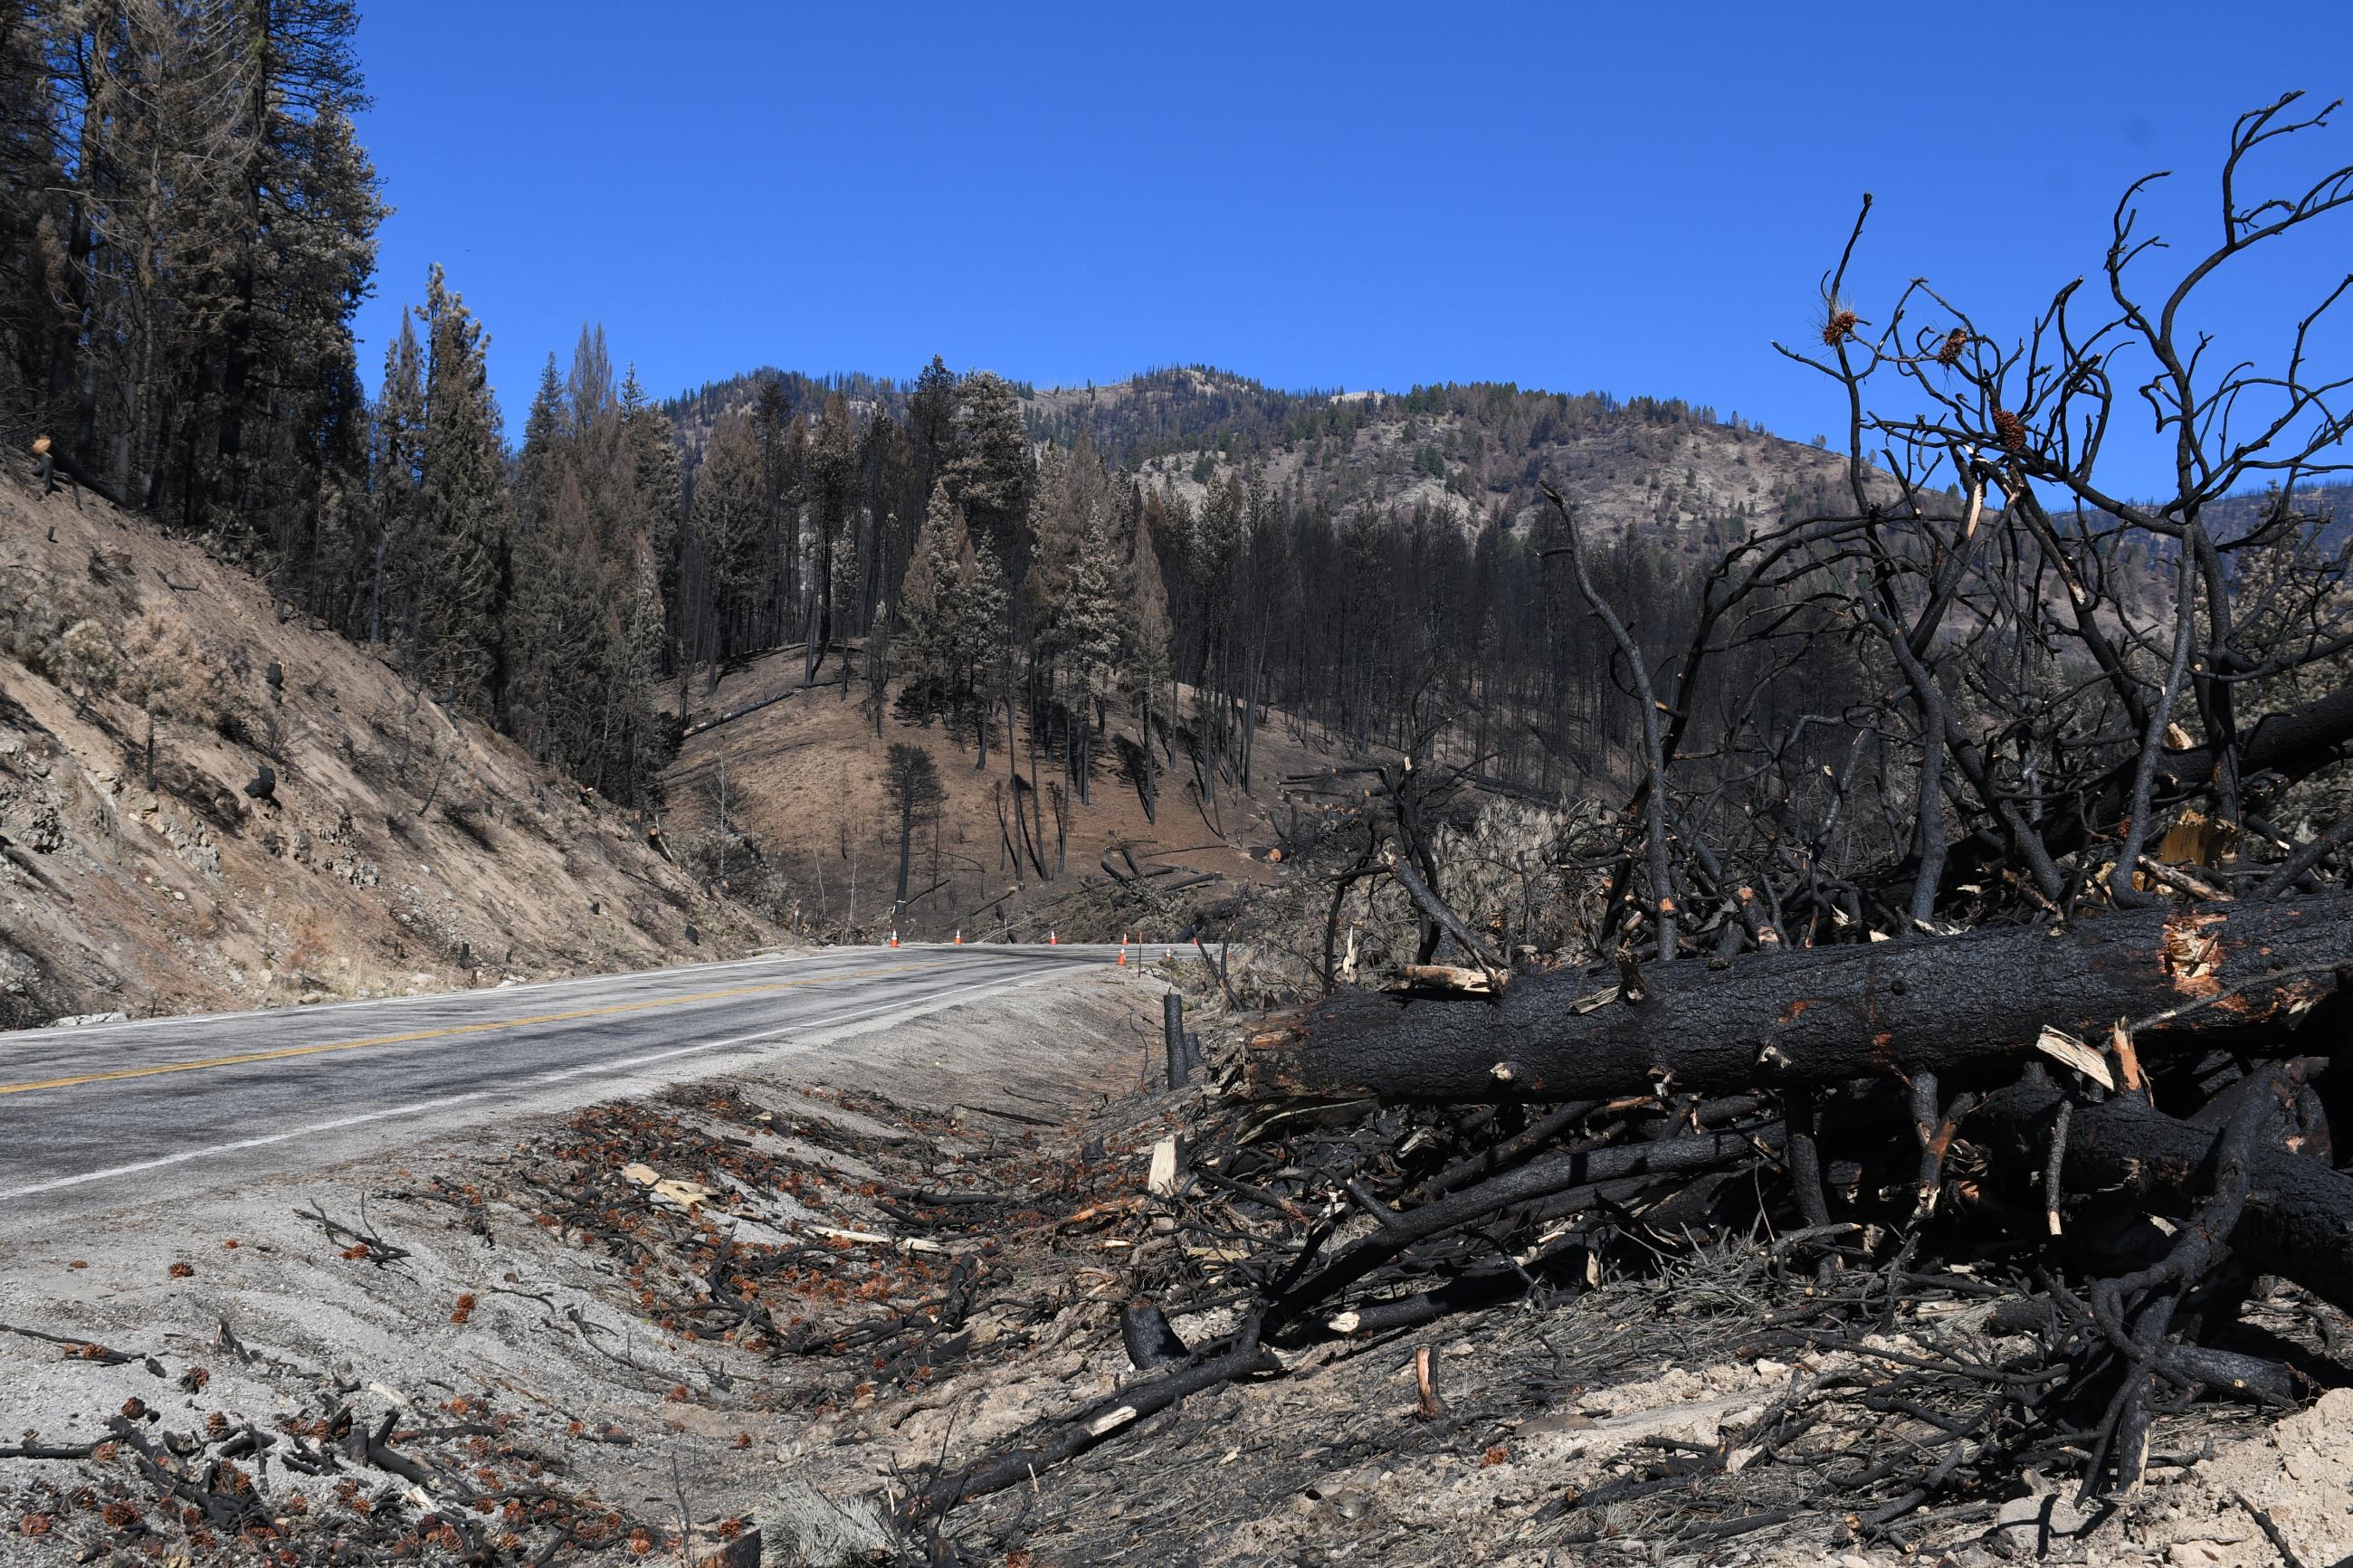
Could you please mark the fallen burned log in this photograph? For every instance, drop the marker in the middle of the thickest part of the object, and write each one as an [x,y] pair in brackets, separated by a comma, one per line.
[2297,1219]
[1076,1432]
[1828,1014]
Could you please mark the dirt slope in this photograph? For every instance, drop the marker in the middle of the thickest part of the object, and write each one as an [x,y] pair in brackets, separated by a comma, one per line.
[399,851]
[803,784]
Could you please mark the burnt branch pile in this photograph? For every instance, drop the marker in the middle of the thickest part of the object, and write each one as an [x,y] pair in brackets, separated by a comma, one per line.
[465,1480]
[2031,1254]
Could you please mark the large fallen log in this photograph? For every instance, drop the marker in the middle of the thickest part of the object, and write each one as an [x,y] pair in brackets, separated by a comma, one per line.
[1976,1001]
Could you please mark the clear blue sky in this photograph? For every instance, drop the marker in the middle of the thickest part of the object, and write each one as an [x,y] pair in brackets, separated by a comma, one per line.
[1629,198]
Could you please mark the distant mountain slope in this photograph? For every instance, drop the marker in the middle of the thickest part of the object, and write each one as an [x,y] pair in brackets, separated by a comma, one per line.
[1477,451]
[1471,451]
[391,849]
[2236,514]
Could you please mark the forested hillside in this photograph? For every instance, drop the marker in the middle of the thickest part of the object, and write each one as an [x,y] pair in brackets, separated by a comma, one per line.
[1367,563]
[1476,451]
[191,223]
[186,226]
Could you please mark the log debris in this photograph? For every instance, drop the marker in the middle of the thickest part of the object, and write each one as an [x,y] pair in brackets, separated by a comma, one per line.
[1979,1001]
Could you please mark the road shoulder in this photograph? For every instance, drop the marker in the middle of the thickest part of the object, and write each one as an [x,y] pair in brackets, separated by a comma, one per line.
[405,1325]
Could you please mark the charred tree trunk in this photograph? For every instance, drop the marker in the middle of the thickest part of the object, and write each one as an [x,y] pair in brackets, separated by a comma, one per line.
[1824,1014]
[2297,1220]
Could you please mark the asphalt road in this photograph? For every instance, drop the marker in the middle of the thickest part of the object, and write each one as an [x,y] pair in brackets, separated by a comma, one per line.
[95,1117]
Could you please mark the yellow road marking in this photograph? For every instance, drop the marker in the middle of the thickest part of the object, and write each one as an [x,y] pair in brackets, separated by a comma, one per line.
[285,1052]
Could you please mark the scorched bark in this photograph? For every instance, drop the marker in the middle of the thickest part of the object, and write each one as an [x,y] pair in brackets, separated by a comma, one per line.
[1822,1015]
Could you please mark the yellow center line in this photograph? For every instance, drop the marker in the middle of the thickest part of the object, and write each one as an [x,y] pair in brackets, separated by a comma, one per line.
[284,1053]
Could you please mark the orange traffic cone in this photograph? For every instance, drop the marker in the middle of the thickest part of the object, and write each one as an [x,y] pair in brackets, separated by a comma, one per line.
[1122,953]
[894,939]
[1050,941]
[959,940]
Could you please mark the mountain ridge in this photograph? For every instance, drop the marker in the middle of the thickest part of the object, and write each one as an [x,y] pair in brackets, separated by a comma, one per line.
[1474,450]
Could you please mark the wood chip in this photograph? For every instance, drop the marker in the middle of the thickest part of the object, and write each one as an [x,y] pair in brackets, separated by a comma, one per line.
[1162,1181]
[2064,1047]
[1447,979]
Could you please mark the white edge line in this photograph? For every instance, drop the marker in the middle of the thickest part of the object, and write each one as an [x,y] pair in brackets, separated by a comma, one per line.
[555,1076]
[485,993]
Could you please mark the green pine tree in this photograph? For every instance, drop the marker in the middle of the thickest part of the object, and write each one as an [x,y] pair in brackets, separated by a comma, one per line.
[987,470]
[464,501]
[925,646]
[730,518]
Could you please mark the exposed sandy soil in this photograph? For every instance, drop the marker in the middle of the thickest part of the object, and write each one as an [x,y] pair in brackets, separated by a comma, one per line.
[403,849]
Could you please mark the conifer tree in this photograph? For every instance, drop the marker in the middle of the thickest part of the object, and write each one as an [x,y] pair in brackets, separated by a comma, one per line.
[930,421]
[547,444]
[653,496]
[926,645]
[911,782]
[885,470]
[33,213]
[828,481]
[1076,593]
[397,464]
[189,224]
[583,628]
[979,648]
[588,388]
[1145,662]
[649,743]
[543,630]
[729,518]
[989,469]
[464,502]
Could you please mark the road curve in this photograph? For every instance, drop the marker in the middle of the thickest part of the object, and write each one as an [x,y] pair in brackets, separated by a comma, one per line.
[95,1117]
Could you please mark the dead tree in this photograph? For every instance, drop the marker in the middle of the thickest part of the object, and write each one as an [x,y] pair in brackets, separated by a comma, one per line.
[2055,673]
[910,781]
